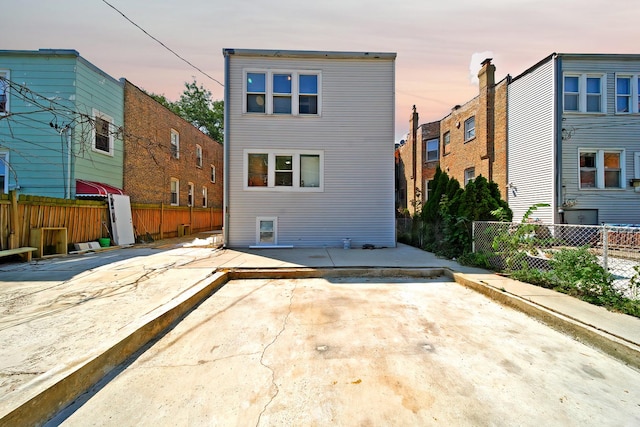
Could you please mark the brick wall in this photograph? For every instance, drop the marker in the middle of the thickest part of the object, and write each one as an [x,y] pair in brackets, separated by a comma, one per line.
[148,161]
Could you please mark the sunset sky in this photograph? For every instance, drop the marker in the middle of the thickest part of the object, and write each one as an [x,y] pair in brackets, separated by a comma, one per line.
[440,44]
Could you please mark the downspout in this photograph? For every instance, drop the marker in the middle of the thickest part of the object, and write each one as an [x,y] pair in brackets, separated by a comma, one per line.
[225,147]
[557,131]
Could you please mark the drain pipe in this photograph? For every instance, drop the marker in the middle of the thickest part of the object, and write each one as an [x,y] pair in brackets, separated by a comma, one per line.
[225,147]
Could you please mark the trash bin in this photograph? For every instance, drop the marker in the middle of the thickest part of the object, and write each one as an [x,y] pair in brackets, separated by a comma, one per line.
[346,243]
[104,242]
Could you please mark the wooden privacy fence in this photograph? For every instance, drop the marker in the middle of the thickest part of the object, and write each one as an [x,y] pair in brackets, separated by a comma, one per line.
[87,221]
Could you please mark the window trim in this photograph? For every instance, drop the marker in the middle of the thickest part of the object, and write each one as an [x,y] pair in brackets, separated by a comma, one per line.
[4,166]
[199,156]
[212,178]
[271,170]
[107,118]
[177,193]
[466,179]
[634,95]
[191,190]
[205,196]
[470,130]
[175,152]
[7,105]
[437,150]
[582,92]
[600,168]
[274,219]
[269,93]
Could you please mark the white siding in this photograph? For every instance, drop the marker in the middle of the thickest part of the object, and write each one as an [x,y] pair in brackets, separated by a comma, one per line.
[531,158]
[356,134]
[602,131]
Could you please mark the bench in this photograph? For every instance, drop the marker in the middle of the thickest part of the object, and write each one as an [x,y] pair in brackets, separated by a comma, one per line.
[24,252]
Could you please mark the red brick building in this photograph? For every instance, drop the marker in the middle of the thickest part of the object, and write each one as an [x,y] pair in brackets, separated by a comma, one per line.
[166,159]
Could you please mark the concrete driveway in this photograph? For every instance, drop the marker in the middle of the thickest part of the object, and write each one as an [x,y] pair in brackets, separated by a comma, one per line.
[361,351]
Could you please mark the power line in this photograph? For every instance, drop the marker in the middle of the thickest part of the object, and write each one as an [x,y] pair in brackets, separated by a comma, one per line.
[162,44]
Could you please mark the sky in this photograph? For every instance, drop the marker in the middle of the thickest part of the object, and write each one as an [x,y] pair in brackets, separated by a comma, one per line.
[439,44]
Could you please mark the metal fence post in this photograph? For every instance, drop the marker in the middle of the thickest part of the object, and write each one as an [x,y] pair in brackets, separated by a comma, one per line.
[605,239]
[473,237]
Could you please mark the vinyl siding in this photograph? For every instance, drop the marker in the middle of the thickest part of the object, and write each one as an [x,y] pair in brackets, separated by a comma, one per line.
[531,158]
[355,133]
[602,131]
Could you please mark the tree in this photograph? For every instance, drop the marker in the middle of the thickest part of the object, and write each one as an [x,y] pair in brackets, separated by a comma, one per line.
[196,106]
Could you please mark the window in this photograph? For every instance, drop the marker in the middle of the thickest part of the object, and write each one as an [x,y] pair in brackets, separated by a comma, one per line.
[4,172]
[432,149]
[602,169]
[213,174]
[204,197]
[627,94]
[584,93]
[282,92]
[190,194]
[102,134]
[428,185]
[198,156]
[266,231]
[284,170]
[4,92]
[469,128]
[446,140]
[469,175]
[175,144]
[175,192]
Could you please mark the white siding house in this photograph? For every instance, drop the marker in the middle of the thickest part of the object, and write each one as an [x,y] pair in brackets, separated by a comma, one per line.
[309,154]
[574,139]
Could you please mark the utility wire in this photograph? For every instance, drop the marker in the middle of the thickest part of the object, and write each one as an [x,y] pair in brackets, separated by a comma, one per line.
[162,44]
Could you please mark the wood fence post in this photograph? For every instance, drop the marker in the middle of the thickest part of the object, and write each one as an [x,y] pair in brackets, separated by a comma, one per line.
[14,227]
[161,220]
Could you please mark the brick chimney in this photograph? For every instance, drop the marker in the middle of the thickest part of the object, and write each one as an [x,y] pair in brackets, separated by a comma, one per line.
[487,75]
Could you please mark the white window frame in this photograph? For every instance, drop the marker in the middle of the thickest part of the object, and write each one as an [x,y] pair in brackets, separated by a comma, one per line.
[600,169]
[582,92]
[205,198]
[7,107]
[467,178]
[469,132]
[175,144]
[295,91]
[437,150]
[4,170]
[190,194]
[275,230]
[199,156]
[177,192]
[636,164]
[634,95]
[271,170]
[99,115]
[213,174]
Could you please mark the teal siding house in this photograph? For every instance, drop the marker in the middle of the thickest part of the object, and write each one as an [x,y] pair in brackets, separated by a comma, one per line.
[61,124]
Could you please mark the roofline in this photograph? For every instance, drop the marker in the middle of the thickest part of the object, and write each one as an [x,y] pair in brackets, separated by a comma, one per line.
[308,54]
[59,52]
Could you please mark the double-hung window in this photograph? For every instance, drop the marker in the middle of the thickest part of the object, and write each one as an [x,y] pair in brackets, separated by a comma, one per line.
[627,94]
[4,172]
[584,93]
[432,149]
[198,156]
[282,92]
[280,170]
[469,175]
[175,192]
[600,168]
[175,144]
[4,92]
[102,133]
[470,128]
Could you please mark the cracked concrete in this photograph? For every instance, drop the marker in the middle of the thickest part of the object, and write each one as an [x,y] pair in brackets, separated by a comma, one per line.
[361,351]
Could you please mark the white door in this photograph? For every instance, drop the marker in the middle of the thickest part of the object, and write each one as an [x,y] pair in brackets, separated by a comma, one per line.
[121,222]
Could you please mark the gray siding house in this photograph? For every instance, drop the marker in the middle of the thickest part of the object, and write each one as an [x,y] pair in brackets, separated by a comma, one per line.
[574,139]
[309,153]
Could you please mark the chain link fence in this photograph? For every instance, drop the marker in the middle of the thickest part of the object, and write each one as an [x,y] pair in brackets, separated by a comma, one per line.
[515,246]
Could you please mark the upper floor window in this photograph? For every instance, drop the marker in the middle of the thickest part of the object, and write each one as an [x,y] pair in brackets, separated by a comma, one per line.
[213,174]
[4,172]
[198,156]
[102,133]
[470,128]
[282,92]
[602,168]
[627,93]
[204,197]
[584,93]
[469,175]
[4,91]
[432,149]
[175,192]
[175,144]
[190,194]
[284,170]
